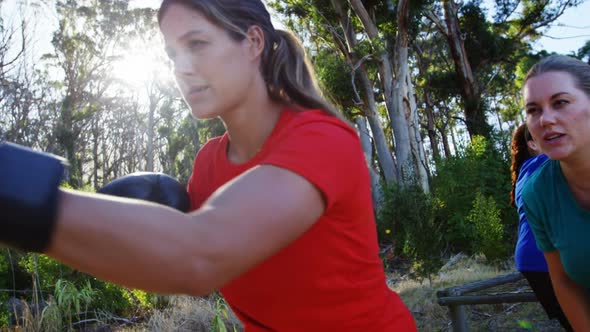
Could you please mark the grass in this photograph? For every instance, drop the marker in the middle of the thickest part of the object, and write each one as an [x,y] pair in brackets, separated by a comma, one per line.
[211,314]
[190,314]
[207,314]
[422,301]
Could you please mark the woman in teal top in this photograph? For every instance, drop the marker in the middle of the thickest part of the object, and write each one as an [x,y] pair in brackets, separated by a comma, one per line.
[557,196]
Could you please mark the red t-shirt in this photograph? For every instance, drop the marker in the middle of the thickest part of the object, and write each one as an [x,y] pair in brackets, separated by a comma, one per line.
[331,278]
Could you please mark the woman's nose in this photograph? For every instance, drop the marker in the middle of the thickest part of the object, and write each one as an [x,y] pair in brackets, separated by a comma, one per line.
[548,116]
[183,65]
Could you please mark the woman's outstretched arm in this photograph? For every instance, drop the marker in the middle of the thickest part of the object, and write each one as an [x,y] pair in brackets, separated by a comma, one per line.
[156,248]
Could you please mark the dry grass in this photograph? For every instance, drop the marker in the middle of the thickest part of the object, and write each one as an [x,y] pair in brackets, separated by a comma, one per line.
[430,316]
[191,314]
[206,314]
[197,314]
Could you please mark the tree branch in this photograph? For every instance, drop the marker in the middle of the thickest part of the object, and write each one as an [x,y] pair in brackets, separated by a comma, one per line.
[437,22]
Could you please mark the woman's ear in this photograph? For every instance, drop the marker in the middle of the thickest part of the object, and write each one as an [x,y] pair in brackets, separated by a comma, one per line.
[533,146]
[255,41]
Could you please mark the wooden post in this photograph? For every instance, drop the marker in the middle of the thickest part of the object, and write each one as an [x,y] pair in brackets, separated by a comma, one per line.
[488,298]
[458,315]
[488,283]
[456,299]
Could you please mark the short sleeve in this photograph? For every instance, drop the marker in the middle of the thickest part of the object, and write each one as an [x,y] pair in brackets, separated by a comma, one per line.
[533,211]
[201,184]
[325,153]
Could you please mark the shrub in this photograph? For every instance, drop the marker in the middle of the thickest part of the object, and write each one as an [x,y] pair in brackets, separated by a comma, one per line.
[480,168]
[407,221]
[485,218]
[107,297]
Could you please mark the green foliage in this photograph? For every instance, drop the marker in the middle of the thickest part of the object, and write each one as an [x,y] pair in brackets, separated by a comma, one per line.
[52,275]
[111,298]
[3,311]
[72,290]
[335,77]
[48,270]
[481,169]
[182,140]
[525,324]
[485,220]
[218,323]
[408,221]
[209,129]
[584,52]
[468,210]
[524,64]
[4,267]
[5,276]
[70,300]
[141,299]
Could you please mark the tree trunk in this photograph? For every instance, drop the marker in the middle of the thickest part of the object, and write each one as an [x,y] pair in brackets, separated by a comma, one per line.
[419,155]
[66,138]
[396,113]
[475,116]
[431,125]
[95,149]
[445,142]
[399,100]
[376,192]
[384,155]
[406,100]
[383,152]
[453,136]
[149,165]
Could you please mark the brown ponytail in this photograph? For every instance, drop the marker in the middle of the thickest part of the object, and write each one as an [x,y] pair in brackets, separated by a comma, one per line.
[290,76]
[520,152]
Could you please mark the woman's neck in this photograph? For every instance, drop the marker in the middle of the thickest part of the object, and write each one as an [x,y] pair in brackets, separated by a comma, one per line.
[577,175]
[249,125]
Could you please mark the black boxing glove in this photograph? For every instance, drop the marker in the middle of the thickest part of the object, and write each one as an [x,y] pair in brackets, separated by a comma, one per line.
[154,187]
[29,190]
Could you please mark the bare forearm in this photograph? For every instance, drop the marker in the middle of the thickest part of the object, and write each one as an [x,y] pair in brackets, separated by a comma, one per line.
[575,304]
[135,244]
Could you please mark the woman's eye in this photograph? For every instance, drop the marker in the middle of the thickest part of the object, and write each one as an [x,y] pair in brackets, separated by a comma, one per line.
[531,110]
[195,44]
[560,103]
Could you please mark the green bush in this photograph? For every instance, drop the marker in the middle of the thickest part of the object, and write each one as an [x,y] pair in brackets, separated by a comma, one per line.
[485,218]
[407,221]
[467,211]
[5,274]
[480,168]
[70,301]
[48,270]
[4,312]
[107,297]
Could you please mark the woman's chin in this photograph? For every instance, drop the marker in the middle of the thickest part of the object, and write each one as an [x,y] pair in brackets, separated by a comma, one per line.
[202,114]
[557,154]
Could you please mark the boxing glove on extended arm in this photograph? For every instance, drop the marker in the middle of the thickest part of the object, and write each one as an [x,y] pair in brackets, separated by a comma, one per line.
[154,187]
[29,190]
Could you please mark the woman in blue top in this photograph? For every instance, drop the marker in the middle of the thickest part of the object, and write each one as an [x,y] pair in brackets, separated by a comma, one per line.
[556,198]
[528,258]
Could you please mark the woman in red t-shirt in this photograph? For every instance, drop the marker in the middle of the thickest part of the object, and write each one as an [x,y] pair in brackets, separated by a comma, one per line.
[282,219]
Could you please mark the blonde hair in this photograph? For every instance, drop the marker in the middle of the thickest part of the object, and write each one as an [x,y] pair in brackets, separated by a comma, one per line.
[288,74]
